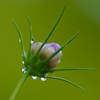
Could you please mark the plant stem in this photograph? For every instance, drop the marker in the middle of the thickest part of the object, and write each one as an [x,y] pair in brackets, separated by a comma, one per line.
[20,83]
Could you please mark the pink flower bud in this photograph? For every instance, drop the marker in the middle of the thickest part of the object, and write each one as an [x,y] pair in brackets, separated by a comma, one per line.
[47,51]
[35,47]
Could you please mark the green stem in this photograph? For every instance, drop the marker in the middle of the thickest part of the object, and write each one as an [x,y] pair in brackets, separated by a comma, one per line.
[24,77]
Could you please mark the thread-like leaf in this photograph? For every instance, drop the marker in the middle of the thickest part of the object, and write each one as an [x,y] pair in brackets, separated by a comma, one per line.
[67,69]
[65,80]
[21,40]
[31,36]
[50,33]
[63,46]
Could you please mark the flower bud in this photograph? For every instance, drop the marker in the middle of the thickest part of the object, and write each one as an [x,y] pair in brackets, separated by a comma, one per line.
[35,47]
[47,51]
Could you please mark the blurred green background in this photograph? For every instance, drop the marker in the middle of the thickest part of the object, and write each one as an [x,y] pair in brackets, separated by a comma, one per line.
[84,51]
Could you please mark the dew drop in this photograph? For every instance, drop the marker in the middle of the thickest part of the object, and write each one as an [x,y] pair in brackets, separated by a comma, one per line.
[19,40]
[24,70]
[32,41]
[34,77]
[23,62]
[43,79]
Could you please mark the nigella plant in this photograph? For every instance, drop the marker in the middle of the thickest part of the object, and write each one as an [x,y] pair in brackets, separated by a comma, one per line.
[42,58]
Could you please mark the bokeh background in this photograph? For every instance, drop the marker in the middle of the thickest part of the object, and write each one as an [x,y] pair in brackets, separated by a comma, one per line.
[83,51]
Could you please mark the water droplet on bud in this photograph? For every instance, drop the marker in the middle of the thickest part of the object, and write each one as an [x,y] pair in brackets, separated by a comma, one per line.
[43,79]
[34,77]
[19,40]
[24,70]
[23,62]
[32,41]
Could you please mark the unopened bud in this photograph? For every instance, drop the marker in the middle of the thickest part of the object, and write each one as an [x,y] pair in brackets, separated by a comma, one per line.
[35,47]
[47,51]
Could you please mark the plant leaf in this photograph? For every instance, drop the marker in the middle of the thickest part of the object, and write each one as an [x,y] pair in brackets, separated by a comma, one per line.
[62,47]
[31,36]
[65,80]
[21,40]
[67,69]
[50,33]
